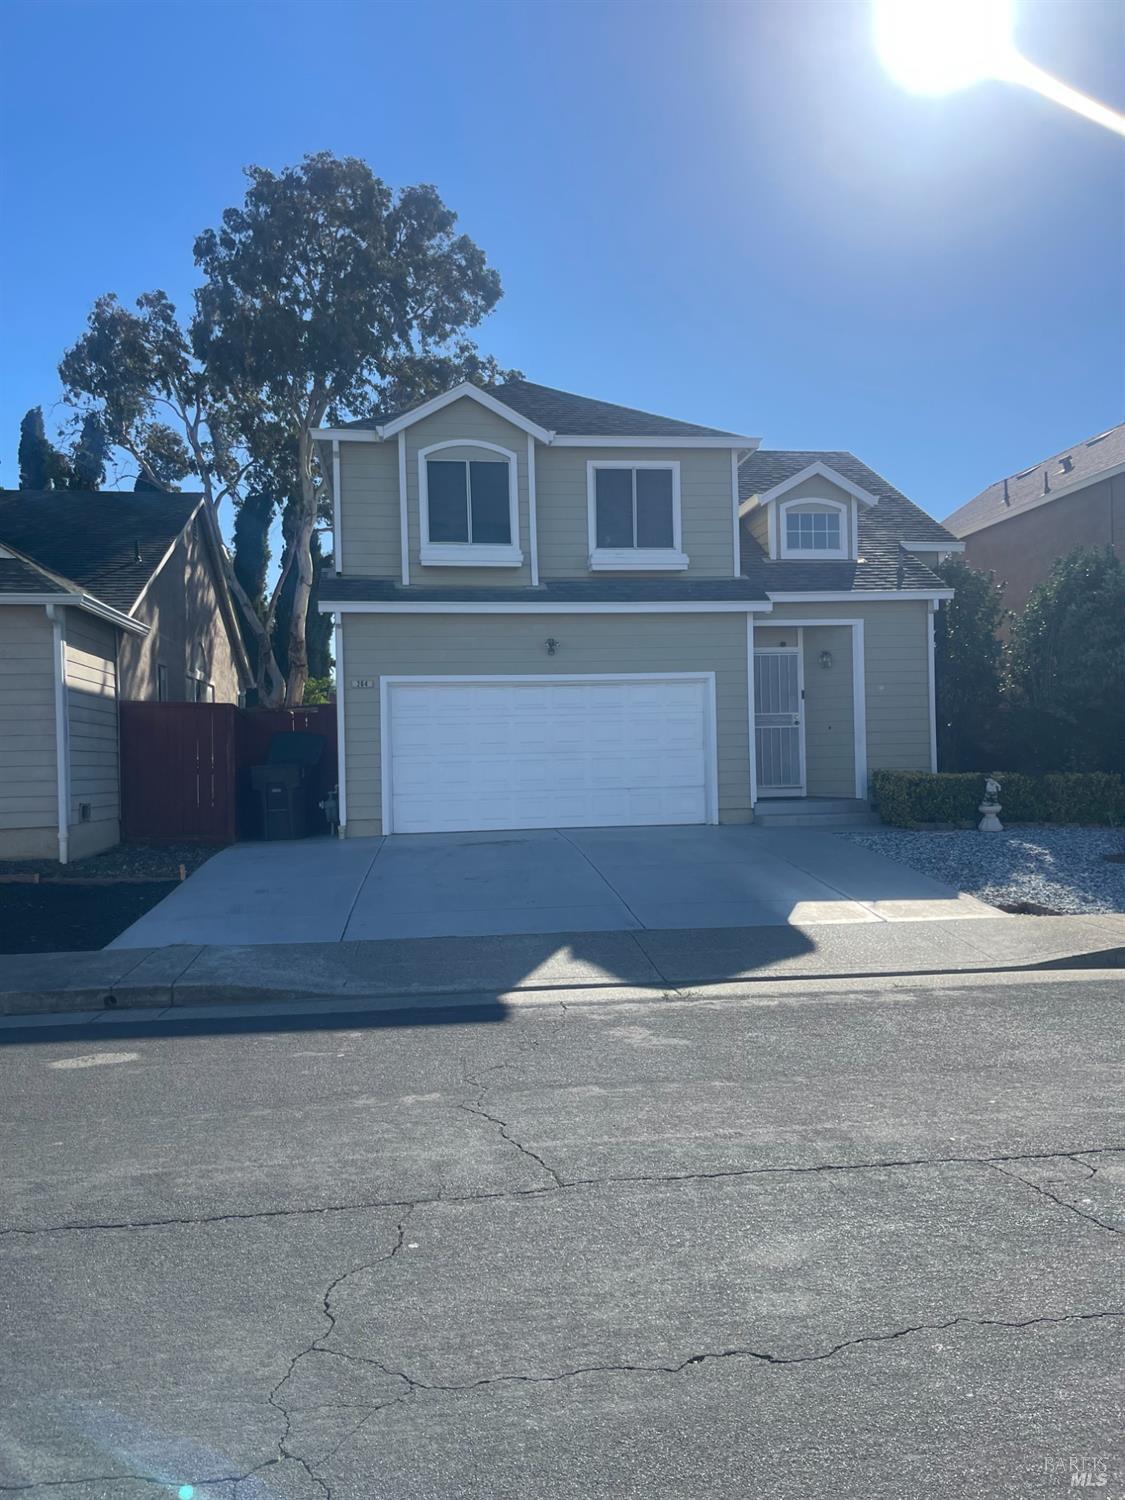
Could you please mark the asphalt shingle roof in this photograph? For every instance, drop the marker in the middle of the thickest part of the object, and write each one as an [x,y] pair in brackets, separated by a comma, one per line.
[1077,465]
[18,577]
[94,537]
[882,564]
[576,416]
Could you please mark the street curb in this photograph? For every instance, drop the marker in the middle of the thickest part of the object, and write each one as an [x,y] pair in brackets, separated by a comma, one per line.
[124,996]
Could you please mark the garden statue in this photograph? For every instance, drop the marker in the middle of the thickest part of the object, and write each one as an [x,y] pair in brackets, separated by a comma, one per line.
[990,823]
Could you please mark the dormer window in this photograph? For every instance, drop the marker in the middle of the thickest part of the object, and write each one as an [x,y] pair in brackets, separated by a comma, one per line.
[469,506]
[814,529]
[634,516]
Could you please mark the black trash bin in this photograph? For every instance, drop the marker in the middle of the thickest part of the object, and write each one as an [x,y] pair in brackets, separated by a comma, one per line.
[286,784]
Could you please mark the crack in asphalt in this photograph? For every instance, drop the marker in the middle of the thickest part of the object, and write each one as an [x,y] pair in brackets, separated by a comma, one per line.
[560,1185]
[284,1450]
[477,1109]
[1062,1202]
[739,1352]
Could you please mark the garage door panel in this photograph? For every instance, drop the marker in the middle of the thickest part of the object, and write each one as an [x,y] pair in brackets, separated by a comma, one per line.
[518,754]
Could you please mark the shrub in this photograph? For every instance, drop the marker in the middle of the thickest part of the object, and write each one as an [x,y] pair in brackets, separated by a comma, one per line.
[905,799]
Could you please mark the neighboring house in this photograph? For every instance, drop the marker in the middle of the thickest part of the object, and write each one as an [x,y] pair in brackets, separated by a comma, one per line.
[556,612]
[1019,526]
[103,597]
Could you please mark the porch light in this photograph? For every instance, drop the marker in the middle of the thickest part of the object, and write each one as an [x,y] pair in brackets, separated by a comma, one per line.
[938,46]
[826,659]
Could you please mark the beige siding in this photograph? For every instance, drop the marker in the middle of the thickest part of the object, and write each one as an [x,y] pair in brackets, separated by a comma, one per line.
[483,645]
[182,609]
[91,698]
[370,519]
[757,520]
[706,501]
[829,718]
[370,530]
[28,786]
[896,667]
[465,419]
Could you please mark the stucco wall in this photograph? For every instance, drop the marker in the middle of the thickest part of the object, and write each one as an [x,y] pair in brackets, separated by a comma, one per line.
[28,786]
[182,609]
[1021,548]
[481,644]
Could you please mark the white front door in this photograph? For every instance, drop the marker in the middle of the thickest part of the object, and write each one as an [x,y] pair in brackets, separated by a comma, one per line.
[547,752]
[779,731]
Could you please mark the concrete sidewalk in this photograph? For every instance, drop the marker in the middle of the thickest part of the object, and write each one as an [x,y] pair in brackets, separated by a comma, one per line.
[403,972]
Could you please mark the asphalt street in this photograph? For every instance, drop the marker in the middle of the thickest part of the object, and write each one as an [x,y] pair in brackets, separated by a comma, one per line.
[804,1240]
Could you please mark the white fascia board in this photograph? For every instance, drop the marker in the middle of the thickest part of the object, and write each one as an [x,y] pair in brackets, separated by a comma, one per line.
[430,607]
[569,440]
[818,471]
[473,393]
[949,546]
[345,435]
[859,596]
[84,602]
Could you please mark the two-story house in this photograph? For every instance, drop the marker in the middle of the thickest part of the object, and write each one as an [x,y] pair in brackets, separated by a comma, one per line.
[1020,526]
[552,611]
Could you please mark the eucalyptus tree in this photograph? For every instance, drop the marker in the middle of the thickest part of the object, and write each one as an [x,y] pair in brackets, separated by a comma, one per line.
[325,294]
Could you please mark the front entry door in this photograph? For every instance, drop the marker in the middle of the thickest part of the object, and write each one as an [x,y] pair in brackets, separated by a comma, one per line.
[779,731]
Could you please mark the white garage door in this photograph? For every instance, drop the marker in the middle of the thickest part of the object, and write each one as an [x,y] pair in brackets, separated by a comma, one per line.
[556,752]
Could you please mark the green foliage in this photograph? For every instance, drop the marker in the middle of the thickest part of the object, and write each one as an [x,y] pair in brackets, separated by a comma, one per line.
[906,799]
[42,466]
[252,545]
[89,454]
[967,652]
[325,294]
[1066,676]
[320,690]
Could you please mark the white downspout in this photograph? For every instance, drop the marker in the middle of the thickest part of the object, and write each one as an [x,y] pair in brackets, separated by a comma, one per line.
[341,729]
[57,617]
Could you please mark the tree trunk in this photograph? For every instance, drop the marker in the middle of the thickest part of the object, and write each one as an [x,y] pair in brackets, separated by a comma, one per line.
[302,562]
[270,683]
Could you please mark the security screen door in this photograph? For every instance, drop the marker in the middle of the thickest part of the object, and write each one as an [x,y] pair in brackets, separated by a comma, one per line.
[778,728]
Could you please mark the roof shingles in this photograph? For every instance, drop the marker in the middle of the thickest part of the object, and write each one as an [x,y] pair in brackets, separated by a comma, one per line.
[109,543]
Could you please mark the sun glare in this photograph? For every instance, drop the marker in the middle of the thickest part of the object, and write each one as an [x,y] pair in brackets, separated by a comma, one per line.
[936,46]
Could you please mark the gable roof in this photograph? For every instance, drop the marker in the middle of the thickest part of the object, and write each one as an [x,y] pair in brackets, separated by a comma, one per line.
[108,542]
[885,529]
[557,414]
[1083,463]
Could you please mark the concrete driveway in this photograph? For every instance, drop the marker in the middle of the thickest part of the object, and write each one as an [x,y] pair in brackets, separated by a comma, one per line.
[539,881]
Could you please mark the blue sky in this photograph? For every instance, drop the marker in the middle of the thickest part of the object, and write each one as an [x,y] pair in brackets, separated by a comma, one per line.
[726,213]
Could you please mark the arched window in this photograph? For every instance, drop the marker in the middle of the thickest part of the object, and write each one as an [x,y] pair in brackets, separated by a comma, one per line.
[468,501]
[814,528]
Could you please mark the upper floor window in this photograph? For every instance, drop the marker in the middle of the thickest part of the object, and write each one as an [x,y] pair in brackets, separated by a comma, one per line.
[634,516]
[468,498]
[814,528]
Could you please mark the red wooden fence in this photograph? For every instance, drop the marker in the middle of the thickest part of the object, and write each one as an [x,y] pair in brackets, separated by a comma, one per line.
[185,767]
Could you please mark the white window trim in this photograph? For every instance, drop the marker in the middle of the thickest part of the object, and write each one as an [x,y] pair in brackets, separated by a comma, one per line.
[469,554]
[711,751]
[814,554]
[634,559]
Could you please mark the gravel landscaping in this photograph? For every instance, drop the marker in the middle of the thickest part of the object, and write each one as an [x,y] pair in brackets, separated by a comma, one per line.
[1034,866]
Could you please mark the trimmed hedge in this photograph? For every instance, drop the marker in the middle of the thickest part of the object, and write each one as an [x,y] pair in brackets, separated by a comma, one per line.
[905,799]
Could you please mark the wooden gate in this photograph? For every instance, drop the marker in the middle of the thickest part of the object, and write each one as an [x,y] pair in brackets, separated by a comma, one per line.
[185,767]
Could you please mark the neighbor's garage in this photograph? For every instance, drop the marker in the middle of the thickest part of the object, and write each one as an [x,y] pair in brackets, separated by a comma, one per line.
[547,752]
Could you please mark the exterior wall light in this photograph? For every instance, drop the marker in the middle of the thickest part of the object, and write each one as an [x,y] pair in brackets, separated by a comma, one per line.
[826,659]
[552,645]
